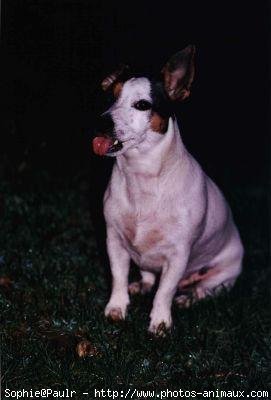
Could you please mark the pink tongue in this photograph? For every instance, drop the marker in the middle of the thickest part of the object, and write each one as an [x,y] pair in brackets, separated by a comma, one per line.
[101,145]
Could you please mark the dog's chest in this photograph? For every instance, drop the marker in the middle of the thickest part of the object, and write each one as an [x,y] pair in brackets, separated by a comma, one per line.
[141,235]
[138,213]
[144,239]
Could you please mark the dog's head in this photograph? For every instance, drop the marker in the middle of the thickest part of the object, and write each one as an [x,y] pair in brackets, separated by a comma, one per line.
[142,106]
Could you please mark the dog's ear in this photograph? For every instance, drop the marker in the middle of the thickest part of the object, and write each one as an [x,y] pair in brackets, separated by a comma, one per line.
[115,80]
[179,74]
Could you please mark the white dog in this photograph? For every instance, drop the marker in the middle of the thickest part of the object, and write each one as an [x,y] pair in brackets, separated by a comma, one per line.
[161,210]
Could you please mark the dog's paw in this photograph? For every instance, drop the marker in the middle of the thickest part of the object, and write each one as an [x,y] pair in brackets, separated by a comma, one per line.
[134,287]
[184,301]
[139,287]
[192,297]
[160,330]
[159,326]
[115,312]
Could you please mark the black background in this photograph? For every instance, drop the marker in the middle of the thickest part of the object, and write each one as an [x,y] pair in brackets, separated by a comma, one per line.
[55,53]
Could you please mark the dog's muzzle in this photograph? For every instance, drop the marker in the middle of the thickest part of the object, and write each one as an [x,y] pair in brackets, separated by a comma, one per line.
[106,141]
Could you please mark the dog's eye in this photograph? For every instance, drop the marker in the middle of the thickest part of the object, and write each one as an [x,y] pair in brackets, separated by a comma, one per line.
[142,105]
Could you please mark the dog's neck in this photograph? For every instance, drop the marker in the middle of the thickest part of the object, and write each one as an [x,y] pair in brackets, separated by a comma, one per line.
[155,155]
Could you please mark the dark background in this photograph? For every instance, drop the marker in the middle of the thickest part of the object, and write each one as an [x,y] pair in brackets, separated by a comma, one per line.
[53,285]
[55,53]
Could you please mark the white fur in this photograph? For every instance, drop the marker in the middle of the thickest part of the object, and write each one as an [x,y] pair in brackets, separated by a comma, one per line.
[131,125]
[163,212]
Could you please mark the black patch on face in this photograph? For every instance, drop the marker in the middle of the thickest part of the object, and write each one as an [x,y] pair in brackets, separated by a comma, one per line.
[161,103]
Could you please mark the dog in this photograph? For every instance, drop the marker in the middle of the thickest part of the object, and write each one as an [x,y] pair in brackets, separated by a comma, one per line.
[161,210]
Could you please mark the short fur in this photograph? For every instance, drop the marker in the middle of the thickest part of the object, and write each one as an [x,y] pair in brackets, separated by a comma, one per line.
[161,210]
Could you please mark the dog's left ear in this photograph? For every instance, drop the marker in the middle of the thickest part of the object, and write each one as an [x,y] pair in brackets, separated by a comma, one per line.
[114,80]
[179,74]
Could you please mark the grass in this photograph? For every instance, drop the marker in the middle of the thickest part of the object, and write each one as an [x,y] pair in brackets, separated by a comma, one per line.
[53,290]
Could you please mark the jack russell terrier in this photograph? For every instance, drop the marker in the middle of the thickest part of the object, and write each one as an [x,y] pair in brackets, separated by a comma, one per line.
[161,210]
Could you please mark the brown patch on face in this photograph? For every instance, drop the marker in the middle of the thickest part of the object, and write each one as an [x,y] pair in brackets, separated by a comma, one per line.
[158,123]
[117,88]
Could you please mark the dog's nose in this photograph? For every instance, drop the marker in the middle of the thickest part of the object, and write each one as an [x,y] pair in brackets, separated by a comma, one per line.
[105,124]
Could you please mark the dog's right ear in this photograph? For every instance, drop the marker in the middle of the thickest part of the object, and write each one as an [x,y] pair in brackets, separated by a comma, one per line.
[179,74]
[115,80]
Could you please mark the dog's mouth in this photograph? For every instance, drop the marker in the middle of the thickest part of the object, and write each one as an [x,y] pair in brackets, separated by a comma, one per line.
[105,145]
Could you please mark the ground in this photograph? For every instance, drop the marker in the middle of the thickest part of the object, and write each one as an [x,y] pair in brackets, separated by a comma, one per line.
[53,290]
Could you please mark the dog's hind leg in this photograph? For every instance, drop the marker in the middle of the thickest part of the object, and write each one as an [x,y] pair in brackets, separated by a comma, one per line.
[144,285]
[222,273]
[210,284]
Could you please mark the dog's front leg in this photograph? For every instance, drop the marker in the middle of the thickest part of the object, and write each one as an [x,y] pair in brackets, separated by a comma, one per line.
[172,272]
[119,263]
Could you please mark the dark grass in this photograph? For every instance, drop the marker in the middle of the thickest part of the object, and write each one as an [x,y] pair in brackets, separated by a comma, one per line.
[54,290]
